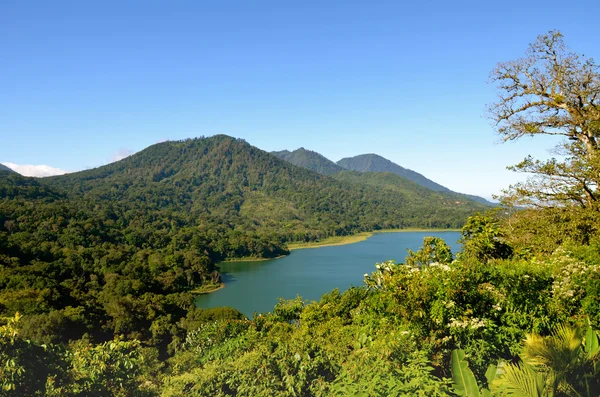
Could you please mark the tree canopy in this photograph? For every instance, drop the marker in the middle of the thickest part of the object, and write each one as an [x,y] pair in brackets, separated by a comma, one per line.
[552,91]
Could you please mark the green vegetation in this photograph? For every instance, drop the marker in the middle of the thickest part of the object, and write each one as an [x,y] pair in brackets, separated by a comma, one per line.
[375,163]
[372,163]
[97,269]
[310,160]
[121,250]
[331,241]
[407,331]
[368,169]
[5,168]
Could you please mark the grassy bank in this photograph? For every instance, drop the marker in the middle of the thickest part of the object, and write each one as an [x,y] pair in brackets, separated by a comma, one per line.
[251,259]
[207,289]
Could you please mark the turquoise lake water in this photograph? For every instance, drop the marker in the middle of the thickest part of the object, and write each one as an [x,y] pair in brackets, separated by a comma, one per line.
[255,286]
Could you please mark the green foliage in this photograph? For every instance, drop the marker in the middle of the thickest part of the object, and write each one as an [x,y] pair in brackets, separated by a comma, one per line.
[101,265]
[375,377]
[375,163]
[463,379]
[24,366]
[542,231]
[567,362]
[310,160]
[434,250]
[484,239]
[196,317]
[552,91]
[288,310]
[111,368]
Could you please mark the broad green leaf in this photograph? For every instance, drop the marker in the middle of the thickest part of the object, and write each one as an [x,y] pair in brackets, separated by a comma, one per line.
[464,382]
[592,347]
[490,374]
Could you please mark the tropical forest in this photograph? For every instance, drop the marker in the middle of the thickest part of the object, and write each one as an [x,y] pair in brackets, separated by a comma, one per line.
[99,269]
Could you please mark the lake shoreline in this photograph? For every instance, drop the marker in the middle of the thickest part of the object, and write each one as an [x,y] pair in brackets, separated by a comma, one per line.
[201,291]
[356,238]
[251,259]
[310,273]
[328,242]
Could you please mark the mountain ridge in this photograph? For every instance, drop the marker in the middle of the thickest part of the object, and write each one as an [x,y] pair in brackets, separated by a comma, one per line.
[310,160]
[372,162]
[8,169]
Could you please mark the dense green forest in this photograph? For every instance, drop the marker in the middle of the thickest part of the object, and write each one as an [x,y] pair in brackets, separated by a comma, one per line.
[96,270]
[310,160]
[375,163]
[5,168]
[121,249]
[367,163]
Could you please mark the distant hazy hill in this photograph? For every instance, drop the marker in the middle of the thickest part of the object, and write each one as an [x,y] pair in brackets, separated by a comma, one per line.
[5,168]
[310,160]
[413,193]
[375,163]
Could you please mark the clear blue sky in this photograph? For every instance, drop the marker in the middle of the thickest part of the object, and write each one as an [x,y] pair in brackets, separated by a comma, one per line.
[82,81]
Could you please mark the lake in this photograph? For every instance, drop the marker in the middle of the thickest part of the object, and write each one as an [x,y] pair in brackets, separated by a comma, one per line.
[255,286]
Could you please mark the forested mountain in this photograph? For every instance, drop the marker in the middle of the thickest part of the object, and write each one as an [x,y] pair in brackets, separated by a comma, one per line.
[310,160]
[413,192]
[375,163]
[96,268]
[116,250]
[369,163]
[226,181]
[5,168]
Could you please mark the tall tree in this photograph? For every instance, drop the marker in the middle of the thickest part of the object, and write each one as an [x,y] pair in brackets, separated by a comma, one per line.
[552,91]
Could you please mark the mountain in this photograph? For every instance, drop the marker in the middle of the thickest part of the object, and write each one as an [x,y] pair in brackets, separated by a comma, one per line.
[117,250]
[375,163]
[243,190]
[310,160]
[5,168]
[412,191]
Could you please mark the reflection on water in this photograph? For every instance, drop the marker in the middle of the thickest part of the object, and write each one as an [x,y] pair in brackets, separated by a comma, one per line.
[255,286]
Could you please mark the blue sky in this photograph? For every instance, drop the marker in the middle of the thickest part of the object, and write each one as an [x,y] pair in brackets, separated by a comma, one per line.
[83,83]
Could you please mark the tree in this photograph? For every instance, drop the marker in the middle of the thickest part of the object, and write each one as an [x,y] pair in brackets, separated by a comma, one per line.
[552,91]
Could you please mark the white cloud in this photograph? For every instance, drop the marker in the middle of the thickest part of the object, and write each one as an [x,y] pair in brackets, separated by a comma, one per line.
[35,170]
[121,154]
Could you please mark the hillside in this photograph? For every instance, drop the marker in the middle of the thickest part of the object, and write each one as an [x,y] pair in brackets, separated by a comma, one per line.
[5,168]
[110,256]
[375,163]
[229,182]
[310,160]
[118,250]
[412,191]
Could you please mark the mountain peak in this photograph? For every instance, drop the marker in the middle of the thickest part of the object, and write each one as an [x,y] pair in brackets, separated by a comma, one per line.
[374,163]
[5,168]
[310,160]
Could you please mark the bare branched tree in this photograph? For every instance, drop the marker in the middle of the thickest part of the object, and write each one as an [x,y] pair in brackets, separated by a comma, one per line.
[552,91]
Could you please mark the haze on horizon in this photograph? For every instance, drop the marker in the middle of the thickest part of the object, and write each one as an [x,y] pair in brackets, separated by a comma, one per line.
[87,84]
